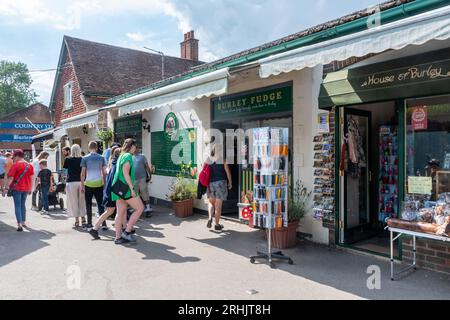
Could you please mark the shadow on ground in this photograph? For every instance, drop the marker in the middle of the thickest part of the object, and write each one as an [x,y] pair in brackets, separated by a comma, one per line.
[15,245]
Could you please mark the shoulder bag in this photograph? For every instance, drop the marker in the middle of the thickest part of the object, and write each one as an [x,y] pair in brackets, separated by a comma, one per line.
[14,184]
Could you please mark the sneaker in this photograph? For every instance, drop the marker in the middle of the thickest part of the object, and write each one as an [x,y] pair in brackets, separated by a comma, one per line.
[209,224]
[148,214]
[19,229]
[94,234]
[128,236]
[121,241]
[132,231]
[87,226]
[148,209]
[43,212]
[218,227]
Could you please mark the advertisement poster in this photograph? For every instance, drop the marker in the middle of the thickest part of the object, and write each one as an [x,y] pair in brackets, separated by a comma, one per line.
[324,123]
[419,118]
[420,185]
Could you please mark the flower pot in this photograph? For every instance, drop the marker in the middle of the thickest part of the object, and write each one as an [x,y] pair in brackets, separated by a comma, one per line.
[285,237]
[183,208]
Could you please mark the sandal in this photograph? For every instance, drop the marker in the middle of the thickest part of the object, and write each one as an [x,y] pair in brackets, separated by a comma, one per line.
[77,224]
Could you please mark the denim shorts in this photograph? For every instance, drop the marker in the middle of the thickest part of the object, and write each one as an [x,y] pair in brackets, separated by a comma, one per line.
[218,190]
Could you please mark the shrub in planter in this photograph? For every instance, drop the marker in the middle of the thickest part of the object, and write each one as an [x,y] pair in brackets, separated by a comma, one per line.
[183,192]
[298,206]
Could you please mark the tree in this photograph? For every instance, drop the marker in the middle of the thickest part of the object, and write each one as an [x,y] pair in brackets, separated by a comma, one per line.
[15,91]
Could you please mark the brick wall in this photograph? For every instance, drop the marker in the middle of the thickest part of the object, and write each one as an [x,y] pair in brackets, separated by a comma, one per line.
[430,254]
[67,74]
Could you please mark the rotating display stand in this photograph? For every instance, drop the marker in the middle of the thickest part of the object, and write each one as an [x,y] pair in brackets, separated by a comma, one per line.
[270,192]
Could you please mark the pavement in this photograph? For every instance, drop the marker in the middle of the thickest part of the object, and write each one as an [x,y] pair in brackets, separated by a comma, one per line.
[182,259]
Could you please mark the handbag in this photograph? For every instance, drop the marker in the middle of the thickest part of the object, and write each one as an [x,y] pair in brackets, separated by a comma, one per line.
[14,184]
[120,189]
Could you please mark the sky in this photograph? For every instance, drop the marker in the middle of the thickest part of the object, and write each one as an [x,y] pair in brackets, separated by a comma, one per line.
[31,31]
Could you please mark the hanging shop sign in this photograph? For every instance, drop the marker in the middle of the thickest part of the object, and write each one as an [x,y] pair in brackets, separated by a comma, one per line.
[419,118]
[128,125]
[25,126]
[15,138]
[171,125]
[167,154]
[267,100]
[420,185]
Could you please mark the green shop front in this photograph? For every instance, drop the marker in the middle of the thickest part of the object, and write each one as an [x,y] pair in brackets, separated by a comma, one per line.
[392,152]
[263,107]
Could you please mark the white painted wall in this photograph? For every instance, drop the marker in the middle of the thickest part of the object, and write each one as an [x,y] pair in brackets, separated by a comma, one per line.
[77,133]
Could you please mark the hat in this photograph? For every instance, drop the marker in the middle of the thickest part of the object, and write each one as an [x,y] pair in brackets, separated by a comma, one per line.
[18,153]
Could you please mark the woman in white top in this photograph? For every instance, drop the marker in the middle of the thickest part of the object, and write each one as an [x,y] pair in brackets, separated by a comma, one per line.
[42,156]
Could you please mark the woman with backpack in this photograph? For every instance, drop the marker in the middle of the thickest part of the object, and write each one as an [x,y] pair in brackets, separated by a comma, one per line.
[219,184]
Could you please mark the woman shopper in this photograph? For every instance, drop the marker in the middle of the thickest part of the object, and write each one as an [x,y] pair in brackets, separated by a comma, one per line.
[123,184]
[76,204]
[42,156]
[220,183]
[109,204]
[19,177]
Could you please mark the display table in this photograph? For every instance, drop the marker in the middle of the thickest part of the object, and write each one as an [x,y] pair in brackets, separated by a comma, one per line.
[414,234]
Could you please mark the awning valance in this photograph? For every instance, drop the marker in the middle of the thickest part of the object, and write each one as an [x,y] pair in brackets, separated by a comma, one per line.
[85,119]
[54,134]
[214,83]
[414,30]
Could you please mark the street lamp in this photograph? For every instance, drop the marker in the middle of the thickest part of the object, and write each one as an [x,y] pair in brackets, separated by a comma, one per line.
[162,60]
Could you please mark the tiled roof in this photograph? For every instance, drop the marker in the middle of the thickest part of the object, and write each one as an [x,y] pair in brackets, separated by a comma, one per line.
[108,70]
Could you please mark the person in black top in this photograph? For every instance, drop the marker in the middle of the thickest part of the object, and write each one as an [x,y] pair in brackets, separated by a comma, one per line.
[76,204]
[219,185]
[45,182]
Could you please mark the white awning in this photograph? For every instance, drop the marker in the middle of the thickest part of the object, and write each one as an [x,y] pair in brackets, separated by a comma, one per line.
[214,83]
[415,30]
[86,119]
[53,134]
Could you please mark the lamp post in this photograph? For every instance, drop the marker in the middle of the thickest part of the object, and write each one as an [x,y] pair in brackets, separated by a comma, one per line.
[162,59]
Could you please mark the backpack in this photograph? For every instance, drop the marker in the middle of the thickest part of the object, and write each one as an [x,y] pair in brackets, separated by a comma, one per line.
[205,175]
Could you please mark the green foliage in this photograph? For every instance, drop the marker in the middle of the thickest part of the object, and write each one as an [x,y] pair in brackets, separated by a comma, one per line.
[184,187]
[15,91]
[105,136]
[299,202]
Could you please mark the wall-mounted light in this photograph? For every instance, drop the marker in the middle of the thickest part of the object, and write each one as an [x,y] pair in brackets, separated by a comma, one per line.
[145,125]
[85,130]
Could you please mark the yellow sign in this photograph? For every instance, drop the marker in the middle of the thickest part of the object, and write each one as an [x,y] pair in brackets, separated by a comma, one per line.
[420,185]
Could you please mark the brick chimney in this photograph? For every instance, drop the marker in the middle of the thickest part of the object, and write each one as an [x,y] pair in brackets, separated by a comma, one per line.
[189,47]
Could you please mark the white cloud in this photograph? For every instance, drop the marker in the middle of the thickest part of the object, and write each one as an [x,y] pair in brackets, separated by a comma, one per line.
[43,84]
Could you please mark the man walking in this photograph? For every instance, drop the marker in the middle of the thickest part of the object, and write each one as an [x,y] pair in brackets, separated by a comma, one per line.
[143,174]
[93,175]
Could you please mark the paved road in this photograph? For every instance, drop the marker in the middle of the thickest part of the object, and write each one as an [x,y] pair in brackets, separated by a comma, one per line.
[182,259]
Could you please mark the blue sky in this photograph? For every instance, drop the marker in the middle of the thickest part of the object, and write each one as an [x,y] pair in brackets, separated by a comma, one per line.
[31,31]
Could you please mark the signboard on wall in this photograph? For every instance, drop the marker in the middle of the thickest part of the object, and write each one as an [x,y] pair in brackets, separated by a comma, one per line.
[128,125]
[324,122]
[419,118]
[26,126]
[181,141]
[266,100]
[15,138]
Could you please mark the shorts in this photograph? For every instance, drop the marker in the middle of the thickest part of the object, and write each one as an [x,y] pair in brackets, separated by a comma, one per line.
[218,190]
[141,188]
[2,176]
[109,204]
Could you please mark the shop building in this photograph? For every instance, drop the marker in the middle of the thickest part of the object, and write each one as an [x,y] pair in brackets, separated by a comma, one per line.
[18,128]
[368,94]
[89,73]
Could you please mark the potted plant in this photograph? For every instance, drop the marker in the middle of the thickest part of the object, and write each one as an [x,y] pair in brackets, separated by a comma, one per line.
[298,206]
[105,136]
[183,192]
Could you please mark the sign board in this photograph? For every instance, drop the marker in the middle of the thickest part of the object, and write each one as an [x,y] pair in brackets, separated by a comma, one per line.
[15,138]
[420,185]
[267,100]
[127,125]
[182,141]
[419,118]
[26,126]
[324,122]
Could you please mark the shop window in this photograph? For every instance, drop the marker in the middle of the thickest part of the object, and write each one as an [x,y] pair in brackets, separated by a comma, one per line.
[68,96]
[426,207]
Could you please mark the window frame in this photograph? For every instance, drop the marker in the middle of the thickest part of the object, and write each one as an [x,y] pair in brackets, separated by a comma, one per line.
[68,93]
